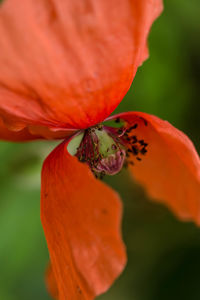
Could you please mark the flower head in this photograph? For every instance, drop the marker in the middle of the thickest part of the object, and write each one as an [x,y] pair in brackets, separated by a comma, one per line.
[65,66]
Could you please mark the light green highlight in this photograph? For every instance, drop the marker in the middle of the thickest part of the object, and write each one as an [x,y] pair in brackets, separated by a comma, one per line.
[75,143]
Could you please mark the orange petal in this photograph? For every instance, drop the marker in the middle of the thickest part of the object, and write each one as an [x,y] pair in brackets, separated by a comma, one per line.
[21,134]
[50,133]
[81,219]
[51,283]
[69,63]
[15,136]
[170,170]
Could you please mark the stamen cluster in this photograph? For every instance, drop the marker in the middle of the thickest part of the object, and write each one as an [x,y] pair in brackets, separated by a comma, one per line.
[107,149]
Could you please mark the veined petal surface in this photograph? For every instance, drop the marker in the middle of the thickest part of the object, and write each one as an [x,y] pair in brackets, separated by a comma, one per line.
[81,217]
[69,63]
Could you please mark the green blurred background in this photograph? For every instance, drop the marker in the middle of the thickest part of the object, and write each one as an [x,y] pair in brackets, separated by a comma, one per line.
[164,254]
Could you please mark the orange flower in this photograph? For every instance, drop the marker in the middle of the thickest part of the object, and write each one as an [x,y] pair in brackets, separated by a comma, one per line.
[65,66]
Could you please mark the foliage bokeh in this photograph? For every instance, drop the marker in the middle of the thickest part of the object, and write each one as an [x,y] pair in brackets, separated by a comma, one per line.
[163,252]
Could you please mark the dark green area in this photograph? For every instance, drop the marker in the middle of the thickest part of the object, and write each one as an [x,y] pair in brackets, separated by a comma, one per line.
[164,254]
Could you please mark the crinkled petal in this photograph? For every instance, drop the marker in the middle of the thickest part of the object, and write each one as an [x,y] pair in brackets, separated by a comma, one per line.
[69,63]
[81,218]
[15,136]
[170,170]
[22,134]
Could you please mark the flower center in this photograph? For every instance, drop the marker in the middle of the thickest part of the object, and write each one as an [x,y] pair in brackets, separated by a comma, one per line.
[100,151]
[107,149]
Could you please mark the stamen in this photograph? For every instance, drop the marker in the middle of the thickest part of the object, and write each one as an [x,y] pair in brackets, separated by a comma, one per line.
[135,147]
[107,149]
[143,151]
[101,152]
[132,127]
[117,120]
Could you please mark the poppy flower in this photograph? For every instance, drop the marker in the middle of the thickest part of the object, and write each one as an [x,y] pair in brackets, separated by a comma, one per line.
[65,66]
